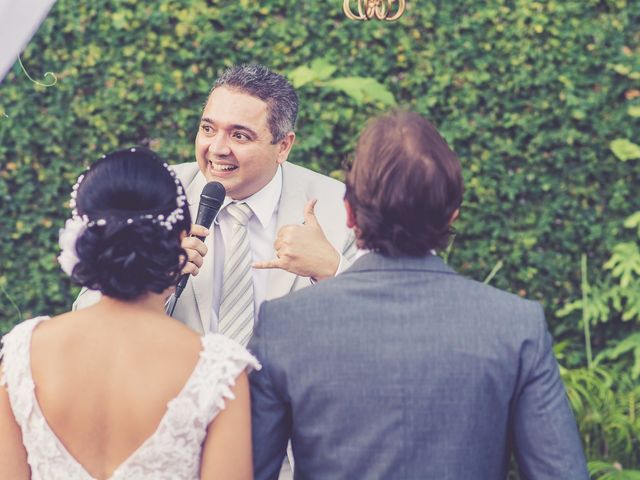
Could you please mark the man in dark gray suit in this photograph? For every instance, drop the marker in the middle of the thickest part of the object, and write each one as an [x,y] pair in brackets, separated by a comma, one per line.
[399,368]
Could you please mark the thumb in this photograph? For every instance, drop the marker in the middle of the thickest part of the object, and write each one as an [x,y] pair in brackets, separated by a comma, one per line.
[309,214]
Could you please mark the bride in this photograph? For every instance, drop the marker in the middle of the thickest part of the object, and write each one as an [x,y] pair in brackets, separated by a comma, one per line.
[120,390]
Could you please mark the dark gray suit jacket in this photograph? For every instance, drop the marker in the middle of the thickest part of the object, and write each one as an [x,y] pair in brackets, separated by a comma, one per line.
[403,369]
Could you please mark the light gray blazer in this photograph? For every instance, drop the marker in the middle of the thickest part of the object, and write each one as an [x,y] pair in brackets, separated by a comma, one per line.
[299,185]
[403,369]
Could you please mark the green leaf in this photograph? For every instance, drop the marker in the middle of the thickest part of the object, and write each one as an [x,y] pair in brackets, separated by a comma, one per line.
[569,308]
[633,221]
[625,263]
[596,307]
[611,471]
[624,149]
[578,114]
[323,68]
[631,310]
[634,110]
[363,89]
[629,344]
[621,69]
[320,69]
[301,76]
[119,20]
[349,85]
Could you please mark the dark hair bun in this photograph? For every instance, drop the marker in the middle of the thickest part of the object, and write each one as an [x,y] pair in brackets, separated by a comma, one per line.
[136,213]
[127,261]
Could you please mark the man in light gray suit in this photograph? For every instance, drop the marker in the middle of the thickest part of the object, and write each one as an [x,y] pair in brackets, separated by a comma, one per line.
[245,135]
[399,368]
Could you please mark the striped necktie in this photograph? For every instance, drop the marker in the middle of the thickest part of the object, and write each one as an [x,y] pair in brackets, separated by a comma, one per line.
[236,308]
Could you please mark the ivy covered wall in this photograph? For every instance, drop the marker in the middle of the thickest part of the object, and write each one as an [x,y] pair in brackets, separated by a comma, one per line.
[529,94]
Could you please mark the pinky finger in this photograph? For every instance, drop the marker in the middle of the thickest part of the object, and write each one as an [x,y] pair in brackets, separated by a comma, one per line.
[267,264]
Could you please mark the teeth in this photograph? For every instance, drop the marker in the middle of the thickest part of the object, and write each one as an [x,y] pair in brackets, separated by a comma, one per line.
[223,168]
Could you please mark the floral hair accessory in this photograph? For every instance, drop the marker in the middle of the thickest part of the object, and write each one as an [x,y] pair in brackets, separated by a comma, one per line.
[68,258]
[75,226]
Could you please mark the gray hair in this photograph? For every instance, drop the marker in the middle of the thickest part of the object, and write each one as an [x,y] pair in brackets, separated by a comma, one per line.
[273,89]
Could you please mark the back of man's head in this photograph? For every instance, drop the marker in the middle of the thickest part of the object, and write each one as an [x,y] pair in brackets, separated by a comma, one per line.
[273,89]
[404,187]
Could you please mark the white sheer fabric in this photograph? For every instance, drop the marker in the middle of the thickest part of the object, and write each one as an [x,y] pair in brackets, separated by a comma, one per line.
[174,449]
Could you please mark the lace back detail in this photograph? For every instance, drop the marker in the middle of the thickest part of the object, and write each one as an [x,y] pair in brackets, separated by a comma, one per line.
[226,359]
[16,368]
[3,377]
[174,449]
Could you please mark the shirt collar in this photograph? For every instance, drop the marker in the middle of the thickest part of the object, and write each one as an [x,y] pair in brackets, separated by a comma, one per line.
[363,251]
[264,202]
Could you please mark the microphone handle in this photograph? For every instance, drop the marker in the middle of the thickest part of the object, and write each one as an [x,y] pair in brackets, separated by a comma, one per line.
[170,306]
[211,200]
[184,278]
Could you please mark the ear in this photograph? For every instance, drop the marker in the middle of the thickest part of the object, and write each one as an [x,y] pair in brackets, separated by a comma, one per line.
[454,216]
[351,218]
[284,147]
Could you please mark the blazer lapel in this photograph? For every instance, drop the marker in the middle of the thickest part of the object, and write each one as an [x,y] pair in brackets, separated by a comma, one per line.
[292,201]
[203,282]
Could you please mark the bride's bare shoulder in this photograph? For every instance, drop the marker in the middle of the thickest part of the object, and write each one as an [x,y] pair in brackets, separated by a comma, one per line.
[147,328]
[173,331]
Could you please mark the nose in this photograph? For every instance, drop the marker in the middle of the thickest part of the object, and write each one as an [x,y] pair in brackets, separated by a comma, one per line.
[219,145]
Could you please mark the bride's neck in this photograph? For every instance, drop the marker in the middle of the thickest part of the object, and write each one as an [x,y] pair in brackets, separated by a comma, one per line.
[152,302]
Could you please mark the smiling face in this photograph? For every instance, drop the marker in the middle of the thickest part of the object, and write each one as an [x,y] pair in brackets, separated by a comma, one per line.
[233,145]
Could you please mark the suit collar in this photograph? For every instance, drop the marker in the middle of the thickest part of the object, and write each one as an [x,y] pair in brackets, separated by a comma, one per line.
[292,201]
[265,202]
[372,261]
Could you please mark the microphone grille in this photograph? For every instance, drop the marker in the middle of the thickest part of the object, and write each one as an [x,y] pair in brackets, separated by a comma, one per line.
[213,192]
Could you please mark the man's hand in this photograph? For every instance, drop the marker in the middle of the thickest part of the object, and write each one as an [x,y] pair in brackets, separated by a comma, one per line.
[304,249]
[195,248]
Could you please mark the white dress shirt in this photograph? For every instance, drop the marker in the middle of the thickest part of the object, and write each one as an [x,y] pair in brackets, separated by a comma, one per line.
[262,234]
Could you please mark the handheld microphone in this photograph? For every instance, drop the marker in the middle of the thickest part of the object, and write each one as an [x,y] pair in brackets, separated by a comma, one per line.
[211,199]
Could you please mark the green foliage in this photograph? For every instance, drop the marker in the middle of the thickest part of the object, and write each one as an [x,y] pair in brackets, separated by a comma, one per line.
[633,222]
[624,149]
[612,471]
[606,396]
[620,293]
[607,407]
[361,89]
[529,94]
[629,344]
[625,263]
[617,295]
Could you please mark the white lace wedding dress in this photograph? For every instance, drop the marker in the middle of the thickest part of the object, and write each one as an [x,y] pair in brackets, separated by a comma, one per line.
[172,452]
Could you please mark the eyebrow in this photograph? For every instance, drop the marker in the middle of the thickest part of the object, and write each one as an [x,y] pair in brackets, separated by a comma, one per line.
[233,127]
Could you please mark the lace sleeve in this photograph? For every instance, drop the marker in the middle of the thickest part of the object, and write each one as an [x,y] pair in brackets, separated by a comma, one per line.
[3,379]
[14,356]
[3,375]
[228,360]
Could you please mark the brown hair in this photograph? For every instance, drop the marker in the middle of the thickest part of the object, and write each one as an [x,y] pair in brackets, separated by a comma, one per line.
[404,186]
[273,89]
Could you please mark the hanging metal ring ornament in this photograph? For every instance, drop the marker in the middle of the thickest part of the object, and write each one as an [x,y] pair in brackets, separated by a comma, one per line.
[380,9]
